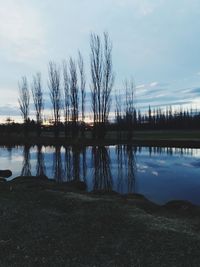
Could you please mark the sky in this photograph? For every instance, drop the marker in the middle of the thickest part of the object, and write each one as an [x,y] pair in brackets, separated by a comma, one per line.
[155,42]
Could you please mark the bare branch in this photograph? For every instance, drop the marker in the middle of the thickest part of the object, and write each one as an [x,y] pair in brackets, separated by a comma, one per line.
[74,95]
[24,98]
[82,84]
[55,92]
[102,77]
[38,97]
[66,92]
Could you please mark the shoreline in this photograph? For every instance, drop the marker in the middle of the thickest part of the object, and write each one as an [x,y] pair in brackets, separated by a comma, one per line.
[80,187]
[61,141]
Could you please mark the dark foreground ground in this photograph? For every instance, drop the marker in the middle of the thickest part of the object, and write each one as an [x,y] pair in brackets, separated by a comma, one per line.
[46,225]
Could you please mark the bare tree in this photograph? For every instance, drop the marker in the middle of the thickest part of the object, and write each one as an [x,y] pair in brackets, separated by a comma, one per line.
[130,105]
[55,94]
[24,101]
[24,98]
[108,78]
[96,66]
[130,96]
[66,95]
[102,79]
[38,100]
[118,113]
[74,94]
[82,88]
[118,106]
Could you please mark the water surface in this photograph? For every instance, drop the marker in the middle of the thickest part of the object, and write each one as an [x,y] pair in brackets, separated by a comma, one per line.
[161,174]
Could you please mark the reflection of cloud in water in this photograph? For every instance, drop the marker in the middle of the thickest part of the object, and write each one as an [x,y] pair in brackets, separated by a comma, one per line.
[18,158]
[186,165]
[154,165]
[155,173]
[161,161]
[195,153]
[48,150]
[195,164]
[142,171]
[139,166]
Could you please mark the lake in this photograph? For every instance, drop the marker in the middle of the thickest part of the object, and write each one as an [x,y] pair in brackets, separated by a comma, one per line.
[161,174]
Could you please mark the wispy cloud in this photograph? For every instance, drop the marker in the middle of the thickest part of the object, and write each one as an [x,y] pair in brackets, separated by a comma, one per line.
[9,110]
[142,8]
[21,32]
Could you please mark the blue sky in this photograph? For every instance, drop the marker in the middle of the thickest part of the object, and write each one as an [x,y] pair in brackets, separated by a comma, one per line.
[157,42]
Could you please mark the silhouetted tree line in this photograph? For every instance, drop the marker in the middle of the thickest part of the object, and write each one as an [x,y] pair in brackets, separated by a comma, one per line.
[157,119]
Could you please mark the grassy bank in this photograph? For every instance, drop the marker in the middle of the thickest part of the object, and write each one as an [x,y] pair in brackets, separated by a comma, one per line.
[141,138]
[43,224]
[169,134]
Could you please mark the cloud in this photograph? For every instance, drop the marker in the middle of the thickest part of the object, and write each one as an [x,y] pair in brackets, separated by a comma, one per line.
[9,110]
[142,86]
[194,90]
[154,84]
[21,32]
[161,94]
[142,8]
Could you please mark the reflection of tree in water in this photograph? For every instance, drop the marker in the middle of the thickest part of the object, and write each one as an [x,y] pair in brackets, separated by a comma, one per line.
[130,163]
[170,151]
[57,164]
[102,172]
[9,149]
[150,151]
[76,163]
[84,164]
[40,166]
[120,169]
[68,164]
[126,168]
[26,166]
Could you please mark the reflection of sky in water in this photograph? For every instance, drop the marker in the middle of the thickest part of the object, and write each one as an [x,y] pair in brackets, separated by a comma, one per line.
[160,174]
